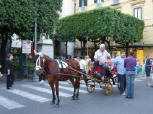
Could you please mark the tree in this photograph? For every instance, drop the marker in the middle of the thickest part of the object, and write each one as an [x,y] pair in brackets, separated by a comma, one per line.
[47,12]
[105,23]
[17,16]
[130,30]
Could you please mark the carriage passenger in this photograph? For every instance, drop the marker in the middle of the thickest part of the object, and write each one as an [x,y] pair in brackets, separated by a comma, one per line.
[87,64]
[101,57]
[82,63]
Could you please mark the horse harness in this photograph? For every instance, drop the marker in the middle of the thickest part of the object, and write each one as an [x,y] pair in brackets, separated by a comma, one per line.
[60,63]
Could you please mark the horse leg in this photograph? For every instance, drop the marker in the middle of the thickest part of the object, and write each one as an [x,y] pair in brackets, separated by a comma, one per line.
[53,91]
[74,92]
[57,92]
[78,87]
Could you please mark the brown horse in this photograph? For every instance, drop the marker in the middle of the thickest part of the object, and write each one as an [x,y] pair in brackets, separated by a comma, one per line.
[54,74]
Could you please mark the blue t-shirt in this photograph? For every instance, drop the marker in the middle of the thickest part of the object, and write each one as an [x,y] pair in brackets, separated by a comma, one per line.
[148,62]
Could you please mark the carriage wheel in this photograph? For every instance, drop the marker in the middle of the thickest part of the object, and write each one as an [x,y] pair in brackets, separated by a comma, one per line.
[108,89]
[91,87]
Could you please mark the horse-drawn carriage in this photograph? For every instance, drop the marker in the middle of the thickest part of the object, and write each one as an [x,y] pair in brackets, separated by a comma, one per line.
[69,70]
[106,84]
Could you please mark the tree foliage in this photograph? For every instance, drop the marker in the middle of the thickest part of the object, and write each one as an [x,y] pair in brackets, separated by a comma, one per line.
[17,16]
[47,12]
[102,22]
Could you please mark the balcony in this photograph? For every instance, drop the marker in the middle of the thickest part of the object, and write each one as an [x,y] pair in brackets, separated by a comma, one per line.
[115,2]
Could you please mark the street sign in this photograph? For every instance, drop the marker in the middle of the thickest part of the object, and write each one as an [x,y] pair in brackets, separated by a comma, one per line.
[26,46]
[16,42]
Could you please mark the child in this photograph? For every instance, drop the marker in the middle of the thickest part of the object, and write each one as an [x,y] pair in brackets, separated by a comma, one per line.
[143,67]
[137,67]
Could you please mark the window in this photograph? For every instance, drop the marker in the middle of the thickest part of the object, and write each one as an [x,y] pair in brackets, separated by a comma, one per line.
[138,13]
[98,3]
[115,2]
[82,5]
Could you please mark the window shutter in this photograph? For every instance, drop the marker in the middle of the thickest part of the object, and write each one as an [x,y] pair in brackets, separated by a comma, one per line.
[95,1]
[80,3]
[85,2]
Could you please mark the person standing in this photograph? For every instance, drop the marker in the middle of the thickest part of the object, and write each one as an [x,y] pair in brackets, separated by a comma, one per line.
[1,71]
[100,57]
[9,71]
[148,70]
[119,61]
[130,65]
[137,67]
[143,67]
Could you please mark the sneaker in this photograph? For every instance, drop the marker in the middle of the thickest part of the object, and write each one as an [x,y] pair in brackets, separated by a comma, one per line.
[148,85]
[41,82]
[123,94]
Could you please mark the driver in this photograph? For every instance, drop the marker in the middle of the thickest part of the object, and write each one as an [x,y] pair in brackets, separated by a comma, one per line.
[101,56]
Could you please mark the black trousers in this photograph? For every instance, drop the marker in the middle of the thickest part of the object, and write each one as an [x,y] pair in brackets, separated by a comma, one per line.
[122,81]
[41,77]
[10,80]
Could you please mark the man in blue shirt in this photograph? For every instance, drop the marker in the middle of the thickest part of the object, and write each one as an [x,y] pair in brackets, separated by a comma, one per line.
[119,61]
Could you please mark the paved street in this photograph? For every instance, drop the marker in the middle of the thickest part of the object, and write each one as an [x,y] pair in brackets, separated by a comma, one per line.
[32,98]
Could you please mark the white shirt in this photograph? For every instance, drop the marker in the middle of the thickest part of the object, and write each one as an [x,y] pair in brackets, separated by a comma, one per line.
[82,63]
[102,56]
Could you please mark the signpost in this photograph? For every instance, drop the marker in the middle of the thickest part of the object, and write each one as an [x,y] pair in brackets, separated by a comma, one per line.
[26,49]
[26,46]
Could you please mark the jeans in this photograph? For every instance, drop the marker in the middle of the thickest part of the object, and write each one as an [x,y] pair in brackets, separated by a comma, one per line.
[122,81]
[96,63]
[130,77]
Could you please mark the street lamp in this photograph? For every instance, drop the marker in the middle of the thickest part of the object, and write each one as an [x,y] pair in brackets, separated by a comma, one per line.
[35,77]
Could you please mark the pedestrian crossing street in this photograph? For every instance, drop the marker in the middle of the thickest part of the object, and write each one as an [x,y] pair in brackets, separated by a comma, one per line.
[34,92]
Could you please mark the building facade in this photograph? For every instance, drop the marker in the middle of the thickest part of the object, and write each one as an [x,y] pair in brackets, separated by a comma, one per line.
[68,8]
[142,9]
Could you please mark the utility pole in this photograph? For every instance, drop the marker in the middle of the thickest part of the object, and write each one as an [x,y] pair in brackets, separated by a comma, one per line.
[35,38]
[35,77]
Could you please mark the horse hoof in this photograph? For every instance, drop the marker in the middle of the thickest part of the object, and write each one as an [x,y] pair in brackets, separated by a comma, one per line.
[77,98]
[57,104]
[73,97]
[53,102]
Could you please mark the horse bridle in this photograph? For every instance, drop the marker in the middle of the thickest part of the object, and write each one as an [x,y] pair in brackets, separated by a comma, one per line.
[38,63]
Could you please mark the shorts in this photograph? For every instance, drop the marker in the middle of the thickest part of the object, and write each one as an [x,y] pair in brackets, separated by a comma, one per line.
[147,72]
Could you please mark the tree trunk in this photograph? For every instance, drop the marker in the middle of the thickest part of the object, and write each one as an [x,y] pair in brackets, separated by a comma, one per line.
[83,47]
[95,46]
[127,46]
[108,43]
[103,39]
[3,49]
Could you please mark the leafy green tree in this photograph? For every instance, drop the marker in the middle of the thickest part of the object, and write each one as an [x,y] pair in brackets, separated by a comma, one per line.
[105,23]
[17,16]
[47,12]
